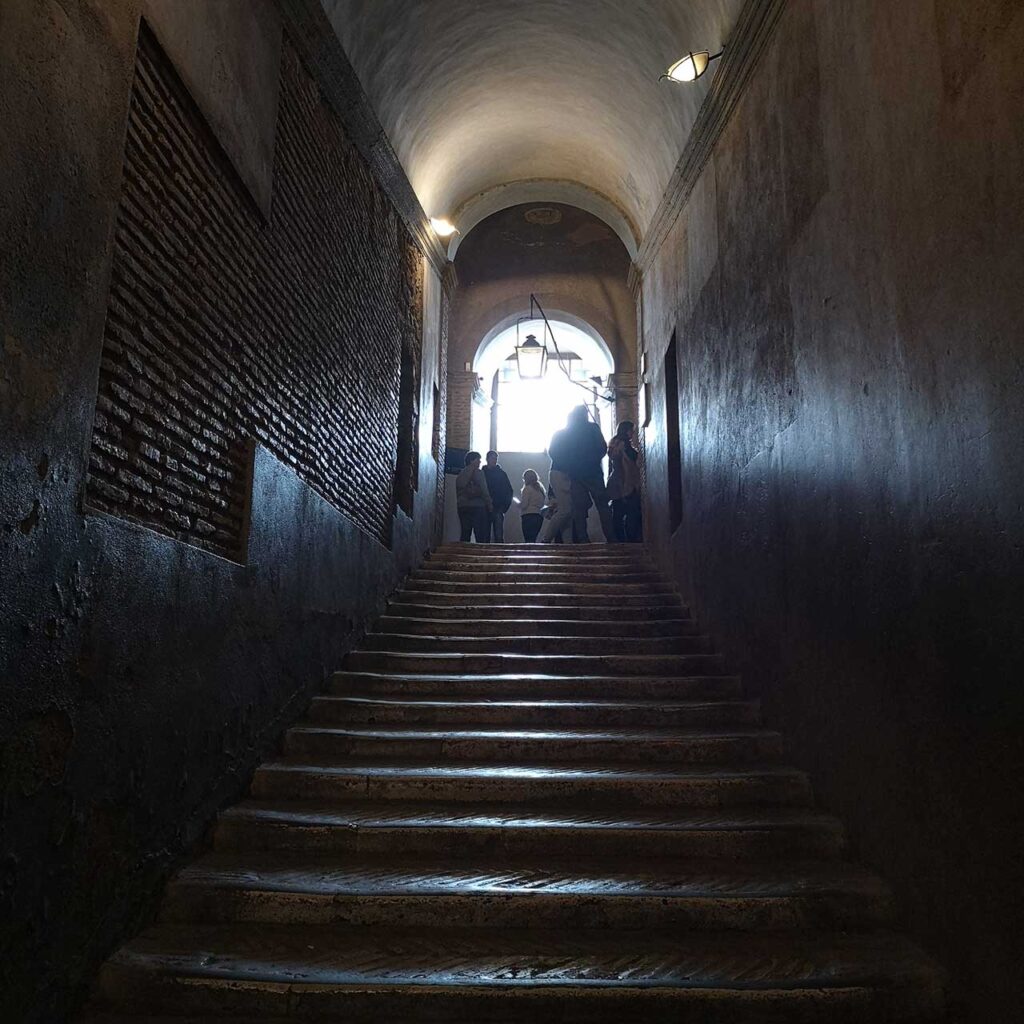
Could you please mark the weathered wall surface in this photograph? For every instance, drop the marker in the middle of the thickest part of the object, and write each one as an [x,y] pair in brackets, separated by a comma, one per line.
[575,265]
[141,678]
[846,284]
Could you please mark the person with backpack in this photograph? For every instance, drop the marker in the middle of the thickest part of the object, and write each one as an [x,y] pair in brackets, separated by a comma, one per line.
[500,488]
[474,501]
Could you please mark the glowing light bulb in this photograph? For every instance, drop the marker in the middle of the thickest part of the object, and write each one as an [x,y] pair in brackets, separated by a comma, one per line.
[690,67]
[443,226]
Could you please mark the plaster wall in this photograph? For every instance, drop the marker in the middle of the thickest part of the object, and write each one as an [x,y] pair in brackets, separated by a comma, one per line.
[846,286]
[141,679]
[576,266]
[476,94]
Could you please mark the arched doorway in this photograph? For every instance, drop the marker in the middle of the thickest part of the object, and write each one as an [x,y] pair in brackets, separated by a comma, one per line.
[526,412]
[517,417]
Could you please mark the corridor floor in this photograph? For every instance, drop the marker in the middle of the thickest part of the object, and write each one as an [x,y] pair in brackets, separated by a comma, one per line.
[535,793]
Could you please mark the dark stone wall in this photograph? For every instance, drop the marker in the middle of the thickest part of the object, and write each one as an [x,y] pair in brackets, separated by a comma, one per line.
[846,283]
[143,677]
[221,328]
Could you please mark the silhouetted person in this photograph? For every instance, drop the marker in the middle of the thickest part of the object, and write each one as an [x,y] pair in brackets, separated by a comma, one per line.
[576,453]
[531,501]
[624,485]
[500,487]
[474,501]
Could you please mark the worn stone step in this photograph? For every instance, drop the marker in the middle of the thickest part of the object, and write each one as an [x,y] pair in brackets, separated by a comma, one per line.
[450,627]
[590,613]
[304,972]
[537,643]
[486,578]
[655,746]
[572,584]
[579,551]
[405,662]
[636,604]
[299,778]
[549,713]
[463,830]
[534,685]
[278,888]
[543,565]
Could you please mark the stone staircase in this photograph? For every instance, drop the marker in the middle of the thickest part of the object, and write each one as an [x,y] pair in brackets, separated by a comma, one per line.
[534,794]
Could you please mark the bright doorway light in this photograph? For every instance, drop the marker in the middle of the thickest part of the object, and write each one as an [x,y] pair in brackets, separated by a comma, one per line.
[530,411]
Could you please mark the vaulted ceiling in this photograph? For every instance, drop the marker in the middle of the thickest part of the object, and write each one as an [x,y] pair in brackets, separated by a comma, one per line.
[477,94]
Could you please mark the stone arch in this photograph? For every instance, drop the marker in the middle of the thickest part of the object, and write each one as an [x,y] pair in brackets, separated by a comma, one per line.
[570,193]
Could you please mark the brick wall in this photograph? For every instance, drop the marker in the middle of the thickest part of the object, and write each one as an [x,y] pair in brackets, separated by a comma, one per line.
[223,328]
[462,385]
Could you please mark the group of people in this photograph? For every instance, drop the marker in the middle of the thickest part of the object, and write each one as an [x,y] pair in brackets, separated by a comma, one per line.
[575,483]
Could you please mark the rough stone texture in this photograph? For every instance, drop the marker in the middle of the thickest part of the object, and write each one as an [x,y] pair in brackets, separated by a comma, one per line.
[846,287]
[595,868]
[141,678]
[229,56]
[220,329]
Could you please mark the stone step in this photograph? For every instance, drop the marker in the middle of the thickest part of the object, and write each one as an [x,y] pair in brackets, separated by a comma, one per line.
[636,604]
[458,549]
[514,588]
[366,708]
[274,888]
[406,662]
[486,578]
[515,746]
[590,613]
[463,830]
[541,565]
[296,778]
[535,686]
[537,643]
[305,972]
[575,628]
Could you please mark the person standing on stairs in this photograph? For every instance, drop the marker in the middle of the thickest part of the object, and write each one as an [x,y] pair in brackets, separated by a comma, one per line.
[624,485]
[474,501]
[576,452]
[531,501]
[500,488]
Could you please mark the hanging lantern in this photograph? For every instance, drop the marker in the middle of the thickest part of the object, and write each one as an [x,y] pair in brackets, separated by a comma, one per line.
[531,359]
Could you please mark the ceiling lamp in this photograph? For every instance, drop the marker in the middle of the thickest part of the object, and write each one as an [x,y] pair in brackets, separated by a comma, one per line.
[531,359]
[690,67]
[442,226]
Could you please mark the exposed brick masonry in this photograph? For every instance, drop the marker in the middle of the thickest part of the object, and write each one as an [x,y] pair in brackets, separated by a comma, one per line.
[222,328]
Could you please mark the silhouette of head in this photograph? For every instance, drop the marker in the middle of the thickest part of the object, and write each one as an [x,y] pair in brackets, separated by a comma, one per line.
[625,431]
[492,458]
[530,477]
[472,458]
[578,416]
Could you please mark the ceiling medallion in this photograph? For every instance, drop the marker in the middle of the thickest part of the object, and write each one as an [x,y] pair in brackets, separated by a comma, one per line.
[543,215]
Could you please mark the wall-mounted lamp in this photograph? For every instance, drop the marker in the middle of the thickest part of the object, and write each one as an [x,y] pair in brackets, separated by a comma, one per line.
[442,226]
[690,67]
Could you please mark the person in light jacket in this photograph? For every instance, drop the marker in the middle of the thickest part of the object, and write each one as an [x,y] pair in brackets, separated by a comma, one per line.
[474,501]
[531,501]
